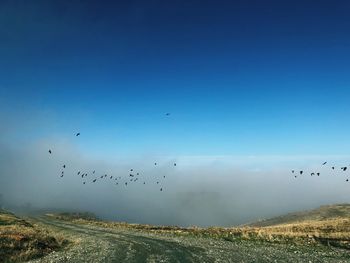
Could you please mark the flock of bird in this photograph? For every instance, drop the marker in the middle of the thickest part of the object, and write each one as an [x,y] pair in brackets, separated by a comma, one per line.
[313,173]
[133,176]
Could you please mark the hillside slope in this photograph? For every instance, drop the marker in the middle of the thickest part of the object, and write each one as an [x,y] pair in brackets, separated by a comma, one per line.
[326,212]
[21,240]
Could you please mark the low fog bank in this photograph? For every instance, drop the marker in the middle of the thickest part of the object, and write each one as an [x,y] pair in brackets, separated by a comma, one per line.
[200,190]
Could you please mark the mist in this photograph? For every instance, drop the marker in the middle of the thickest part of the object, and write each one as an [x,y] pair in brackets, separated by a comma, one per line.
[199,190]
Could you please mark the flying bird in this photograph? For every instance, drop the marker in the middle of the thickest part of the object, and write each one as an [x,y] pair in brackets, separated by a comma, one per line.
[77,134]
[64,166]
[167,114]
[312,174]
[78,172]
[94,180]
[155,163]
[50,152]
[301,172]
[333,167]
[174,164]
[318,174]
[344,168]
[324,163]
[292,171]
[161,189]
[83,182]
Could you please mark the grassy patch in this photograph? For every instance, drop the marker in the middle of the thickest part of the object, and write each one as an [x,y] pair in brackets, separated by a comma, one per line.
[21,241]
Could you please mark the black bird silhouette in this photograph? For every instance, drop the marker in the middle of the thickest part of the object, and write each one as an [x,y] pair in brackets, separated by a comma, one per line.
[295,176]
[116,183]
[78,172]
[174,164]
[131,170]
[161,189]
[101,176]
[292,171]
[157,182]
[312,174]
[126,183]
[167,114]
[105,175]
[164,176]
[82,176]
[64,166]
[93,172]
[324,163]
[144,182]
[94,180]
[77,134]
[347,180]
[111,177]
[301,172]
[333,167]
[83,182]
[62,175]
[50,152]
[137,173]
[318,174]
[344,168]
[155,163]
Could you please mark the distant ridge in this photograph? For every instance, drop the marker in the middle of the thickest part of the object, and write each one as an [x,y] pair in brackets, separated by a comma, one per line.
[324,212]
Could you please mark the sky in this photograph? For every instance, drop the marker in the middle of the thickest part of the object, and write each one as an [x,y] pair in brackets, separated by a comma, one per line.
[254,89]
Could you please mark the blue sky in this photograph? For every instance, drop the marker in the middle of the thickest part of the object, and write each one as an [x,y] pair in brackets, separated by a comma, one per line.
[238,77]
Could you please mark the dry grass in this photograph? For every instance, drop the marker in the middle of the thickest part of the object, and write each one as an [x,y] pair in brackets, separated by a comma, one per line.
[21,241]
[322,213]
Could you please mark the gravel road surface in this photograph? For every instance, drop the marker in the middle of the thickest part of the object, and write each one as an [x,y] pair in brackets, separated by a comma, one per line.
[97,244]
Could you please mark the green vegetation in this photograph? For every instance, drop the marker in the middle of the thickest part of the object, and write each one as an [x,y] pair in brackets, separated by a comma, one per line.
[21,240]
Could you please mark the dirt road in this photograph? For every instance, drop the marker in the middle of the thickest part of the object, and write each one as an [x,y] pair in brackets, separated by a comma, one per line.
[96,244]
